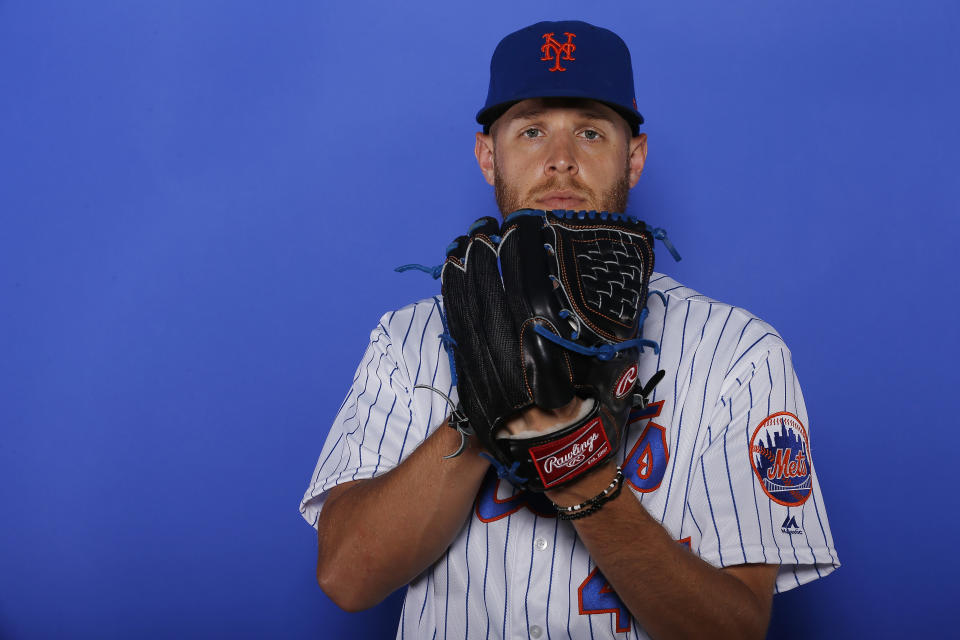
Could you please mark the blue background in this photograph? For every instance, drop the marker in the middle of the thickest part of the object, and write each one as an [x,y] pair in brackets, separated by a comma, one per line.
[202,203]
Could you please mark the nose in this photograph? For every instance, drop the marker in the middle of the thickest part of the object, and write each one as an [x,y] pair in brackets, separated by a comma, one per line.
[561,158]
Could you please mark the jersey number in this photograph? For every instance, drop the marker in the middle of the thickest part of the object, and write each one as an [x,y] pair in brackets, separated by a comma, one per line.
[595,595]
[490,508]
[647,462]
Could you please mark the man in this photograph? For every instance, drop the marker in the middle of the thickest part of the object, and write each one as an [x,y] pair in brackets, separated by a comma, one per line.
[722,507]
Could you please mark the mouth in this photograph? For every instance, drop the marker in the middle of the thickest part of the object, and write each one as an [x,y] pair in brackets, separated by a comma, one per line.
[560,200]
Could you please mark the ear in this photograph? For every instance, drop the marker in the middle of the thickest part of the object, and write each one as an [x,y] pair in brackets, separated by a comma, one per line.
[484,152]
[638,157]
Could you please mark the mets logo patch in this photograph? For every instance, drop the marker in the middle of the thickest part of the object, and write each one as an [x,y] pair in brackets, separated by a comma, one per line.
[780,455]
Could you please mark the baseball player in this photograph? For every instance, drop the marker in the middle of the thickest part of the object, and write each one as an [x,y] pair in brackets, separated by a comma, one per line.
[664,485]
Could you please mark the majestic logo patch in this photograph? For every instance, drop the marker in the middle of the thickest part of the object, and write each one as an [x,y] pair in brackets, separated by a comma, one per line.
[572,454]
[780,455]
[626,382]
[553,49]
[790,526]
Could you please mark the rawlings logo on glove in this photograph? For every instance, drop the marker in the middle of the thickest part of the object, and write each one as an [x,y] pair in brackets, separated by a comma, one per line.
[564,459]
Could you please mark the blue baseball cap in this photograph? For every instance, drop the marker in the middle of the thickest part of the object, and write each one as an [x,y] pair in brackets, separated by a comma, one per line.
[566,59]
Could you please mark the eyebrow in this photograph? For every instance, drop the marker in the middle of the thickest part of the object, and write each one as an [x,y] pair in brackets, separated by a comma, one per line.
[589,114]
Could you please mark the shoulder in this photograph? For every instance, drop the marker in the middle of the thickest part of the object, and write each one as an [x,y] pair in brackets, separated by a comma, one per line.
[697,321]
[401,323]
[411,335]
[678,297]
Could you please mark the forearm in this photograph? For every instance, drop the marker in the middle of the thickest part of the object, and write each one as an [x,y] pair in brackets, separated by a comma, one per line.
[376,535]
[669,590]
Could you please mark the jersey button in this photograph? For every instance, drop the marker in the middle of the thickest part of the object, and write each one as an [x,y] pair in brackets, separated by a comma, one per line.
[540,544]
[535,631]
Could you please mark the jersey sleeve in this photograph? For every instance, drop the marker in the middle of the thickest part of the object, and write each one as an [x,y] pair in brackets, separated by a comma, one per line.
[384,418]
[754,494]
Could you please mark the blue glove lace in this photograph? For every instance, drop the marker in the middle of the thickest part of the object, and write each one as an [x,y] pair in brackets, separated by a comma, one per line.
[507,473]
[433,271]
[603,352]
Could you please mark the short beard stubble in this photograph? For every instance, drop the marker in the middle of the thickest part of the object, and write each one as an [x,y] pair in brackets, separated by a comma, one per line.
[613,199]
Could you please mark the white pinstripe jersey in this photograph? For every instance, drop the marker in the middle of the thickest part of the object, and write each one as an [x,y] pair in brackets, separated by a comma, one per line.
[703,459]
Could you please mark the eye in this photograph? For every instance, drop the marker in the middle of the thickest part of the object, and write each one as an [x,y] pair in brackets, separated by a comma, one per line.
[591,134]
[532,132]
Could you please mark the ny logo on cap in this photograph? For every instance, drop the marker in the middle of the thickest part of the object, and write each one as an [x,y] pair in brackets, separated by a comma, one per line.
[552,49]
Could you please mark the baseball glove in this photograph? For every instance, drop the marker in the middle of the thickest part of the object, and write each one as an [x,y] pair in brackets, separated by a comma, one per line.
[547,308]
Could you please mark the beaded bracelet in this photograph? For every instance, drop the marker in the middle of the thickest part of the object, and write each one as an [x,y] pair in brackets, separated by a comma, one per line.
[592,505]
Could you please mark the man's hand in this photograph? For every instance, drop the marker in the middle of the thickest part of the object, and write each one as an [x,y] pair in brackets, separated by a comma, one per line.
[536,420]
[671,591]
[668,589]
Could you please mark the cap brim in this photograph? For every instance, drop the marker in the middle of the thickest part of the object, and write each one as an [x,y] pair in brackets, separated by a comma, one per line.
[488,115]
